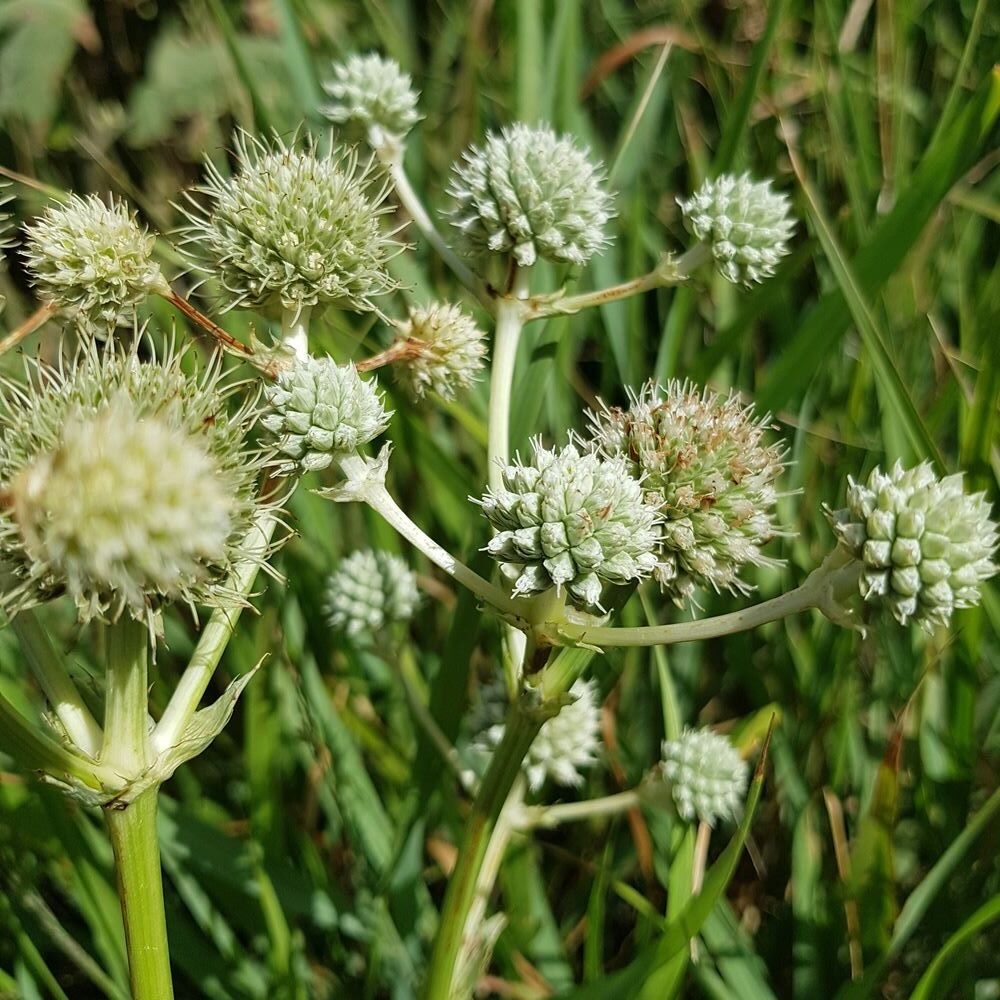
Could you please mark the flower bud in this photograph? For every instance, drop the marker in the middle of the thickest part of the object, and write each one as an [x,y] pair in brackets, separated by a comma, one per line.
[445,351]
[746,224]
[370,590]
[374,93]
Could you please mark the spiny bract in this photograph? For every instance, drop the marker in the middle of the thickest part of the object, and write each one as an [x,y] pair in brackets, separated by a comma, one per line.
[706,776]
[374,93]
[93,261]
[746,224]
[705,464]
[128,484]
[368,590]
[532,194]
[924,544]
[6,219]
[319,410]
[293,228]
[574,520]
[445,351]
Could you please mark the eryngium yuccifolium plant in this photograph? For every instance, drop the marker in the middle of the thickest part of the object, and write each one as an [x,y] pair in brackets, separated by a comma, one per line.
[293,227]
[746,224]
[320,410]
[126,484]
[706,776]
[571,520]
[372,92]
[925,545]
[92,260]
[446,351]
[529,193]
[369,590]
[706,465]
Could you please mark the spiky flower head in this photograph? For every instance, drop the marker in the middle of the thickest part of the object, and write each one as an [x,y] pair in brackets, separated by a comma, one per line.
[746,224]
[529,193]
[705,775]
[320,410]
[127,484]
[571,519]
[445,350]
[925,546]
[373,93]
[369,590]
[292,228]
[92,260]
[706,464]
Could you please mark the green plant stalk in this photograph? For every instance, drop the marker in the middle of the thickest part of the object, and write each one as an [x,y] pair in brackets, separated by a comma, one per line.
[547,817]
[295,330]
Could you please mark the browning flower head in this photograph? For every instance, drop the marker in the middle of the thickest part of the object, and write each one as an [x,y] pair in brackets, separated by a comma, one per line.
[446,351]
[293,228]
[370,590]
[707,467]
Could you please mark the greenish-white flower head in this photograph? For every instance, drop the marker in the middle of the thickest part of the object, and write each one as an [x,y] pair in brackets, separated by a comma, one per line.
[371,94]
[127,484]
[319,411]
[93,261]
[924,544]
[527,193]
[369,591]
[573,520]
[707,466]
[445,352]
[292,228]
[745,223]
[705,776]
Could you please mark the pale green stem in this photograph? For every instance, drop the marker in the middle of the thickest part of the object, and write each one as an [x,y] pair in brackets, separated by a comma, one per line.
[547,817]
[214,637]
[126,725]
[62,694]
[295,330]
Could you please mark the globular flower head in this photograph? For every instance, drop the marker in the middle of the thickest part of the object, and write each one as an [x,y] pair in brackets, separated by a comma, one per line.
[746,224]
[126,485]
[370,590]
[293,227]
[320,410]
[925,546]
[92,260]
[371,92]
[706,776]
[706,465]
[529,193]
[571,519]
[445,351]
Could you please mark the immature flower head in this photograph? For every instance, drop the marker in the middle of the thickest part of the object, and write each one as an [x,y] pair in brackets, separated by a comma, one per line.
[574,520]
[706,776]
[529,193]
[293,228]
[370,590]
[445,351]
[320,410]
[92,260]
[126,485]
[372,92]
[925,545]
[706,465]
[746,224]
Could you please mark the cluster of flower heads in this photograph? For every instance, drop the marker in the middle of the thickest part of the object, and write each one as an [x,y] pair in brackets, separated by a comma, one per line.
[93,261]
[293,227]
[373,94]
[369,590]
[925,546]
[529,194]
[707,467]
[127,484]
[571,519]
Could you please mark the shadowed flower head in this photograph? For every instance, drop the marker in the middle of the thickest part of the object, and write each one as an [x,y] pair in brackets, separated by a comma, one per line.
[369,590]
[706,776]
[446,351]
[372,92]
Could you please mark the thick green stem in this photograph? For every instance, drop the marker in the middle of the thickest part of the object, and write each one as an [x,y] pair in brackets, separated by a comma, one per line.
[510,322]
[546,817]
[295,329]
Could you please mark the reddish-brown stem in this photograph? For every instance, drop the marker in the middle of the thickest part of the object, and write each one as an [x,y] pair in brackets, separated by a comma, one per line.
[398,351]
[29,326]
[227,340]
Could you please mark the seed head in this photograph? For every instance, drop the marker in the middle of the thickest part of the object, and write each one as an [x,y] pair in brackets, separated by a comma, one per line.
[574,520]
[445,351]
[707,467]
[370,590]
[746,224]
[706,776]
[94,261]
[372,93]
[925,545]
[293,228]
[320,410]
[529,193]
